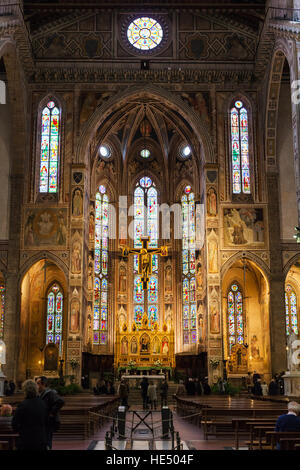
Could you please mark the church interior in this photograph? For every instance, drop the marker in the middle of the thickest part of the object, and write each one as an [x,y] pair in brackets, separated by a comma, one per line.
[150,203]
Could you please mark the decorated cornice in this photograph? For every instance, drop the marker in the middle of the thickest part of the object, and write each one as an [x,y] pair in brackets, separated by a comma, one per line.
[264,52]
[98,75]
[285,29]
[12,27]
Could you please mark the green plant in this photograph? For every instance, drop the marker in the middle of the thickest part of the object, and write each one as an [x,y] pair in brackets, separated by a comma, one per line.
[229,389]
[71,389]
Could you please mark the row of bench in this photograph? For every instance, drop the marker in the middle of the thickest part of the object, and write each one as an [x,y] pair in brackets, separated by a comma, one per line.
[219,417]
[75,419]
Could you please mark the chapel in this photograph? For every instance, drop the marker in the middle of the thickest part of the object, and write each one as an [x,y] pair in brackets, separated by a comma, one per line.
[150,187]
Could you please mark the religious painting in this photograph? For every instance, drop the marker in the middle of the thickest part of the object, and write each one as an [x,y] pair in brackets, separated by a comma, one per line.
[76,257]
[199,277]
[77,203]
[156,346]
[212,256]
[122,280]
[74,316]
[237,363]
[91,225]
[165,346]
[211,203]
[90,273]
[255,348]
[133,346]
[124,347]
[121,317]
[51,357]
[44,227]
[243,227]
[169,316]
[145,344]
[168,279]
[214,316]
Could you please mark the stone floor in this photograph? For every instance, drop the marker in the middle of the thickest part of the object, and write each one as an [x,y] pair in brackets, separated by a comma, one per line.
[191,437]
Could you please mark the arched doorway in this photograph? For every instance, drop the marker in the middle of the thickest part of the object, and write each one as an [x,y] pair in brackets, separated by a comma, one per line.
[43,317]
[246,324]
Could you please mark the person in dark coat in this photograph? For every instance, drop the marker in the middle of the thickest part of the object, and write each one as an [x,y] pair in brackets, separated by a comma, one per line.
[273,387]
[123,393]
[289,422]
[12,387]
[257,390]
[53,404]
[30,420]
[206,387]
[164,393]
[144,389]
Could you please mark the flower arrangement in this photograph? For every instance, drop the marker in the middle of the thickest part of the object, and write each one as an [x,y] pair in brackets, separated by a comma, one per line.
[74,363]
[158,363]
[5,410]
[131,363]
[214,363]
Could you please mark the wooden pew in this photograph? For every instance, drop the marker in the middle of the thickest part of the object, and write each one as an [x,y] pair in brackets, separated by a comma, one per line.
[219,421]
[273,438]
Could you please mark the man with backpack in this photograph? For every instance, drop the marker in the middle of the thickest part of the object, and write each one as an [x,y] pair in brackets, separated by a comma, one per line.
[53,403]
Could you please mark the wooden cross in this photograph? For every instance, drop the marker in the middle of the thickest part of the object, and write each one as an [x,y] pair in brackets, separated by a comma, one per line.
[145,258]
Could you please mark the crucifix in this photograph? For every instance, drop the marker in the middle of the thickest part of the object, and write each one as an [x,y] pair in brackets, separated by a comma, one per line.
[145,258]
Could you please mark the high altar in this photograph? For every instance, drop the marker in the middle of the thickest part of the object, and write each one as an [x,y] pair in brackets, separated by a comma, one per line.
[145,348]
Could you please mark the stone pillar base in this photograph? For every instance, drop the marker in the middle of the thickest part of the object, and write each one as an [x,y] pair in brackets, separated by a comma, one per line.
[292,383]
[2,380]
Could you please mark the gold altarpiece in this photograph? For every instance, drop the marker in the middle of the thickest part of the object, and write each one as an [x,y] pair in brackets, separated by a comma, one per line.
[142,347]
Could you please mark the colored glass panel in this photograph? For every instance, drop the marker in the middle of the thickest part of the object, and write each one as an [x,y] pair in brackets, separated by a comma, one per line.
[145,224]
[188,266]
[235,317]
[291,316]
[100,320]
[49,150]
[240,149]
[54,316]
[145,33]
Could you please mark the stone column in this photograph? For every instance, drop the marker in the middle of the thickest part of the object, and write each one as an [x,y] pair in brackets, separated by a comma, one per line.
[277,280]
[78,268]
[214,327]
[12,297]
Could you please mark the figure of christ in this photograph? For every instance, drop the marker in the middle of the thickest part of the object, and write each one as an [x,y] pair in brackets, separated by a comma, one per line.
[145,259]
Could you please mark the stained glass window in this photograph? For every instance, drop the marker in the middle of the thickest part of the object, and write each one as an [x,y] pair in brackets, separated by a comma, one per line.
[2,309]
[49,152]
[145,223]
[54,316]
[144,33]
[235,316]
[240,149]
[100,320]
[291,316]
[188,267]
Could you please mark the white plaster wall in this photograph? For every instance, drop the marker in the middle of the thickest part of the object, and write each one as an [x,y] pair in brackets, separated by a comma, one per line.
[285,155]
[4,170]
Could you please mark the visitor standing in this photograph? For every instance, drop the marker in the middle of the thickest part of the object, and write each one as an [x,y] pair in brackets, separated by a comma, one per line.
[164,393]
[123,393]
[30,419]
[144,390]
[273,387]
[152,395]
[53,404]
